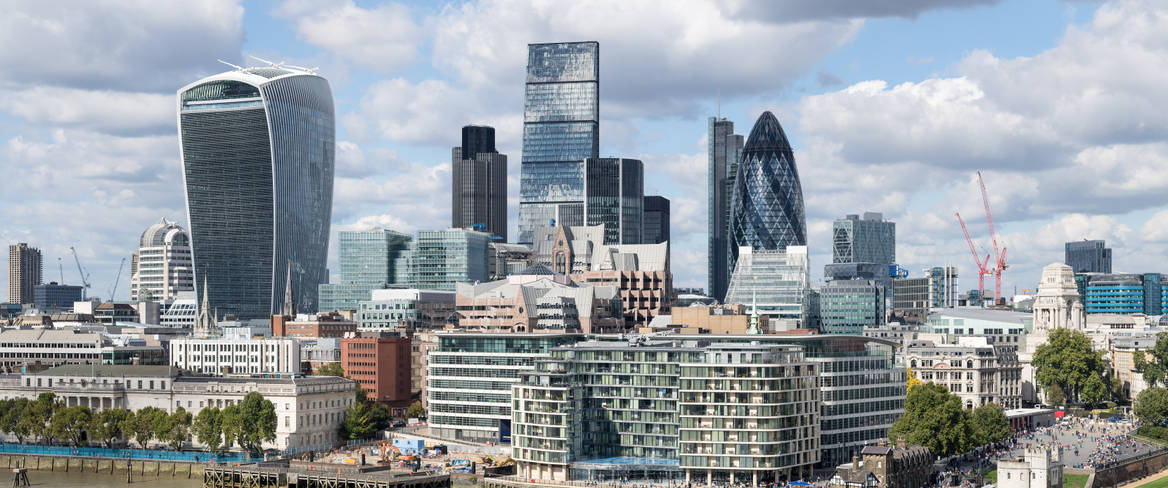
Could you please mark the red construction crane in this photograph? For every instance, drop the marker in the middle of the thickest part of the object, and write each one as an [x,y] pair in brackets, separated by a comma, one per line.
[982,269]
[999,254]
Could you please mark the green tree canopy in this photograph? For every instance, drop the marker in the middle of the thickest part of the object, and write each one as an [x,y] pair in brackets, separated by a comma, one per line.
[1152,406]
[1067,361]
[176,429]
[331,369]
[1154,364]
[258,422]
[231,424]
[109,425]
[71,423]
[989,424]
[36,416]
[12,421]
[380,415]
[144,427]
[933,418]
[416,411]
[357,424]
[208,429]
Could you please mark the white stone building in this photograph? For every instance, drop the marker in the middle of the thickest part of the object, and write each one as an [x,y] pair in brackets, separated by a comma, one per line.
[973,369]
[309,410]
[1056,306]
[278,355]
[50,347]
[163,265]
[1038,468]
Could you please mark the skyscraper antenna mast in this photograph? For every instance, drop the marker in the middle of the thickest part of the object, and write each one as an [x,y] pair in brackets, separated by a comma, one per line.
[229,64]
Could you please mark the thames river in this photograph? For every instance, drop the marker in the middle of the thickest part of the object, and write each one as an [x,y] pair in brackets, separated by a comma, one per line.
[92,480]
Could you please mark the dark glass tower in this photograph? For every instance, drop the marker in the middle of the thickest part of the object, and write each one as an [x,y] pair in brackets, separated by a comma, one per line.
[561,128]
[1088,256]
[479,183]
[257,151]
[615,198]
[767,211]
[656,220]
[725,148]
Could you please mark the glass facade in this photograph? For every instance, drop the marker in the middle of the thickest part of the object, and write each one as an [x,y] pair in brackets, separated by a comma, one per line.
[655,223]
[441,258]
[1088,256]
[615,198]
[847,306]
[479,183]
[767,210]
[561,124]
[258,160]
[369,260]
[1125,293]
[725,149]
[776,283]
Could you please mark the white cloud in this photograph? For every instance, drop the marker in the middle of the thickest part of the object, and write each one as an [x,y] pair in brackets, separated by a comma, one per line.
[382,221]
[383,38]
[115,112]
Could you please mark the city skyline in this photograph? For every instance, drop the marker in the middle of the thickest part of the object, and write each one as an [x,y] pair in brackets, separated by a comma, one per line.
[122,158]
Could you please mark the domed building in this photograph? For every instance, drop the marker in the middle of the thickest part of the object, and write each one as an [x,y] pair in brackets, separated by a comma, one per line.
[767,204]
[163,266]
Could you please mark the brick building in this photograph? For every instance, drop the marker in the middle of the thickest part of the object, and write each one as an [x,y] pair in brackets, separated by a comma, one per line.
[312,326]
[380,363]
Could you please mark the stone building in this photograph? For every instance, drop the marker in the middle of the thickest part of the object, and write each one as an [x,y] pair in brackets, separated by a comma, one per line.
[881,466]
[1037,468]
[1056,306]
[973,369]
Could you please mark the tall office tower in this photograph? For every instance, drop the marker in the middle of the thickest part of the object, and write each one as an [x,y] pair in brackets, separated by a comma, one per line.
[369,260]
[615,198]
[725,148]
[1088,256]
[868,240]
[163,265]
[943,287]
[656,220]
[479,186]
[25,269]
[257,148]
[776,284]
[561,128]
[767,207]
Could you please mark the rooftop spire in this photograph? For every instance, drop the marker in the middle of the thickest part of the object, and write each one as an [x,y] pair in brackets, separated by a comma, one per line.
[289,306]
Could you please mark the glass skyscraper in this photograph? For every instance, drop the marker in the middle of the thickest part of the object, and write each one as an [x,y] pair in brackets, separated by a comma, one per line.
[257,148]
[561,128]
[369,260]
[615,198]
[767,209]
[479,183]
[1088,256]
[441,258]
[655,223]
[776,284]
[725,148]
[868,240]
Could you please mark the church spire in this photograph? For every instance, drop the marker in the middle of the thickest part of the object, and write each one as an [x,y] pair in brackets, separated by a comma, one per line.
[289,306]
[203,319]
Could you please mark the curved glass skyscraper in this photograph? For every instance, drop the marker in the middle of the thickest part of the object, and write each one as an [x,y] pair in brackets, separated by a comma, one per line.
[257,149]
[767,209]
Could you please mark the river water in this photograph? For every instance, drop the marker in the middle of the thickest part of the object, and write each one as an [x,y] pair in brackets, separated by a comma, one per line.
[93,480]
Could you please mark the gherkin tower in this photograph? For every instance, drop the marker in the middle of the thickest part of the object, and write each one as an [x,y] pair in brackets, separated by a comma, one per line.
[767,209]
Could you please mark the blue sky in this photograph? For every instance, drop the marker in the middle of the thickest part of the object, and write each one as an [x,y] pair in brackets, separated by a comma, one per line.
[891,106]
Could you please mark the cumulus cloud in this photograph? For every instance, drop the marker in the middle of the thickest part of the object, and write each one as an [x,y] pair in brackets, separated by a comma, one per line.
[113,112]
[383,38]
[130,45]
[798,10]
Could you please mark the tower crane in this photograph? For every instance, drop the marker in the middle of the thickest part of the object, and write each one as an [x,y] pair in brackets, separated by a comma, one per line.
[117,279]
[999,254]
[80,271]
[982,265]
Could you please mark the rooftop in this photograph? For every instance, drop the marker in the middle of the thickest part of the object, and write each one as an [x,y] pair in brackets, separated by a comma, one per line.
[92,370]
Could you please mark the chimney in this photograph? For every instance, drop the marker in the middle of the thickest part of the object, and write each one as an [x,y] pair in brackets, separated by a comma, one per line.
[855,460]
[900,443]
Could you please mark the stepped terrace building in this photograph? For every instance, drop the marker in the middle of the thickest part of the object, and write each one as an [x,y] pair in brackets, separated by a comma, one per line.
[668,410]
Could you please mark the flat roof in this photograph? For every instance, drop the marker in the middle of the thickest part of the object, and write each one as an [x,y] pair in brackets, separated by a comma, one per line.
[108,370]
[1026,412]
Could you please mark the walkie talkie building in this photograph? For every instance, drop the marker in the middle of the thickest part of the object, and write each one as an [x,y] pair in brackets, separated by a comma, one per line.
[257,150]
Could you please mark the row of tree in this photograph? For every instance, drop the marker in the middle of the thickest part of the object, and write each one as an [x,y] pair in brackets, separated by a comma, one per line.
[1072,372]
[934,418]
[47,420]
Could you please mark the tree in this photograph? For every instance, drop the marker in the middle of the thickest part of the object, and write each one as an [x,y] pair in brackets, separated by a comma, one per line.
[109,425]
[360,395]
[331,369]
[144,427]
[1095,391]
[1152,406]
[989,424]
[913,381]
[258,422]
[35,418]
[13,420]
[1068,362]
[380,415]
[231,424]
[176,429]
[357,424]
[415,411]
[208,429]
[71,423]
[1155,368]
[933,417]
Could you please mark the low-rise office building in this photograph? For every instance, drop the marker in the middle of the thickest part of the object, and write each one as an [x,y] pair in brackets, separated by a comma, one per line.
[999,327]
[315,353]
[309,410]
[380,362]
[50,347]
[279,355]
[973,369]
[310,326]
[538,300]
[713,319]
[693,410]
[406,310]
